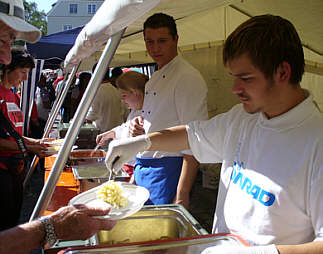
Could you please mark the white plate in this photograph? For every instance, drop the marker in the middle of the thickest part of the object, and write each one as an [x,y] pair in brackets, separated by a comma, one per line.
[56,142]
[49,153]
[56,148]
[136,196]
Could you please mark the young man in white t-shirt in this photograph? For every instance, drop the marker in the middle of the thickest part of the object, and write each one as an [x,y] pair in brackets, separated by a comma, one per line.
[270,145]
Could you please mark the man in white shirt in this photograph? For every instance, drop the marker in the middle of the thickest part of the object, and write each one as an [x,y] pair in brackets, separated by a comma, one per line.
[107,109]
[270,145]
[175,94]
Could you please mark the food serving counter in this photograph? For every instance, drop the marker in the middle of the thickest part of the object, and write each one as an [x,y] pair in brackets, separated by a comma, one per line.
[153,229]
[83,171]
[86,136]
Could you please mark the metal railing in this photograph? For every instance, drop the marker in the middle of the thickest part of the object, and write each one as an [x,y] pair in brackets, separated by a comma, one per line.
[71,135]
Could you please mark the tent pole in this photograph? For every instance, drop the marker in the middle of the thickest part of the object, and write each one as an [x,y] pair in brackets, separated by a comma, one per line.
[49,187]
[52,117]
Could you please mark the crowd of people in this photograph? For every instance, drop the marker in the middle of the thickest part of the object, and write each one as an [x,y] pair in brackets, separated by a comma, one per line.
[270,145]
[71,222]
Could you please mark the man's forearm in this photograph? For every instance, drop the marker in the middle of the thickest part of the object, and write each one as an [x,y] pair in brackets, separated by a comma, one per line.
[307,248]
[186,180]
[173,139]
[22,239]
[120,151]
[189,171]
[6,144]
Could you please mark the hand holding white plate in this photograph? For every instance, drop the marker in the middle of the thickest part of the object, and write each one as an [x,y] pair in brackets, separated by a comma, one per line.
[135,195]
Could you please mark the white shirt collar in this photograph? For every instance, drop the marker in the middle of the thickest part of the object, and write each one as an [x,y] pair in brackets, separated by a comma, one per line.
[291,118]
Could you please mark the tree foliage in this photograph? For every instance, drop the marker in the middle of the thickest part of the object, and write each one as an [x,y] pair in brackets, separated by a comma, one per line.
[35,17]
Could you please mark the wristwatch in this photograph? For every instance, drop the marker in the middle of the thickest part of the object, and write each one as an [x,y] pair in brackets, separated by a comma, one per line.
[50,238]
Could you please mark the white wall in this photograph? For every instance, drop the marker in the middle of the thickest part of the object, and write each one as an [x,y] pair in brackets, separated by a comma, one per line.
[208,61]
[60,15]
[56,24]
[314,83]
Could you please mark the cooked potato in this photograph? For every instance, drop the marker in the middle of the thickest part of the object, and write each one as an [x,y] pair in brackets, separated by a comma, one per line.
[111,192]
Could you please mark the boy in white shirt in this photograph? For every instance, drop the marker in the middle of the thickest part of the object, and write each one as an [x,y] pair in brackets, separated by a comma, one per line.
[270,145]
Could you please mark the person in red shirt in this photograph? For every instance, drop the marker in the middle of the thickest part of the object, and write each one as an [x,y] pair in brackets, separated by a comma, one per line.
[11,160]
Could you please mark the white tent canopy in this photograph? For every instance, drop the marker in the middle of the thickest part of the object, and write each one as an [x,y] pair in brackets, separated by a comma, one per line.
[208,21]
[199,21]
[113,16]
[203,25]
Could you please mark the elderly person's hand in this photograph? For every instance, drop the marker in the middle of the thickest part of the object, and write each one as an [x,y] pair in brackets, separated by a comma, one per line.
[36,146]
[39,150]
[136,127]
[77,222]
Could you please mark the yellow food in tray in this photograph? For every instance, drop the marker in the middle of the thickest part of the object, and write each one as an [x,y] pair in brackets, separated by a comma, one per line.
[111,192]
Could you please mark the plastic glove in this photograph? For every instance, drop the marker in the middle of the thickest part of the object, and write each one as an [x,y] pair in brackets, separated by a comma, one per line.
[123,150]
[228,249]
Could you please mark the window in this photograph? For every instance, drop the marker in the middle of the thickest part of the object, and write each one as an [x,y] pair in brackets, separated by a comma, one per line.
[67,27]
[91,9]
[73,8]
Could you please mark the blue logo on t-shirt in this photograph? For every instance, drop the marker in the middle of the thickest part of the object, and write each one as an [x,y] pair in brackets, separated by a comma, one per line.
[237,177]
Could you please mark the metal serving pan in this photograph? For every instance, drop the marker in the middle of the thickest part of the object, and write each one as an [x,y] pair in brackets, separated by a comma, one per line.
[152,230]
[95,173]
[152,223]
[87,154]
[85,157]
[189,245]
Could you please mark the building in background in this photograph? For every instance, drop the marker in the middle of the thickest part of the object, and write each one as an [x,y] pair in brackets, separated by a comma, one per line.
[68,14]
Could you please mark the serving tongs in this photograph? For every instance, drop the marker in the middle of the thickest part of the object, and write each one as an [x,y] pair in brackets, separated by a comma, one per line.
[112,174]
[97,147]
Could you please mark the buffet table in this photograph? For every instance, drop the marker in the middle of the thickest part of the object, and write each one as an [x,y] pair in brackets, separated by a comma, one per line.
[66,188]
[153,229]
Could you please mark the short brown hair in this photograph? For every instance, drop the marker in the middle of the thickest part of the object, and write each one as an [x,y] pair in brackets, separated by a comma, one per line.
[132,80]
[159,20]
[268,40]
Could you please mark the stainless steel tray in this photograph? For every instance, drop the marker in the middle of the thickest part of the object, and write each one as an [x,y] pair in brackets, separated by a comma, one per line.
[152,223]
[95,173]
[191,245]
[96,170]
[87,154]
[152,228]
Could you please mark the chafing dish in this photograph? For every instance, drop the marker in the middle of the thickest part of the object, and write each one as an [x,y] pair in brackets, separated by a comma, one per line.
[95,173]
[152,223]
[153,230]
[86,137]
[190,245]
